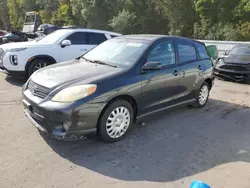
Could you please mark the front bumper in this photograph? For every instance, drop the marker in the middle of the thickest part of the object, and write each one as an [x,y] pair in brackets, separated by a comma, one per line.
[48,117]
[16,68]
[21,74]
[235,75]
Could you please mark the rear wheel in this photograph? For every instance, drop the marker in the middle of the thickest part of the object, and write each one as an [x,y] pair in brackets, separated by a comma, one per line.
[202,95]
[116,121]
[36,65]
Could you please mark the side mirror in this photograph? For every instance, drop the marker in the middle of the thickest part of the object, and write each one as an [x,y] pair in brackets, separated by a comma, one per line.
[151,66]
[224,53]
[65,43]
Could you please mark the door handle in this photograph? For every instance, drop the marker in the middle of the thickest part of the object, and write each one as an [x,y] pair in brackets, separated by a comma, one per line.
[83,49]
[199,67]
[176,73]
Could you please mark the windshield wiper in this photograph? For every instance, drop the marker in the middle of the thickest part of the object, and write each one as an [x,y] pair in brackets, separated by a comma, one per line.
[99,62]
[88,60]
[103,63]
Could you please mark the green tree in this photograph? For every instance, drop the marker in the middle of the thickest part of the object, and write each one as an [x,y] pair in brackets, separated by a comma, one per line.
[46,9]
[245,31]
[142,17]
[125,22]
[4,18]
[95,13]
[243,11]
[63,15]
[181,15]
[17,10]
[213,12]
[16,13]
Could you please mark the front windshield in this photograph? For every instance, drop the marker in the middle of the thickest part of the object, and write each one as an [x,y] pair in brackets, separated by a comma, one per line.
[240,50]
[118,52]
[30,19]
[53,37]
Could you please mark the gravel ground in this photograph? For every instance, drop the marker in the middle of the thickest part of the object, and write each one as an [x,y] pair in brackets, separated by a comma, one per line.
[171,150]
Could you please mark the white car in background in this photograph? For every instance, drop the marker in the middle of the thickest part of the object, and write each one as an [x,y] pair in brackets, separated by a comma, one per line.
[24,58]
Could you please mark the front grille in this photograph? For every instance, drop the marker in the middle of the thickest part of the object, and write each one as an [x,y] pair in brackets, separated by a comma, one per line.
[1,57]
[235,68]
[38,90]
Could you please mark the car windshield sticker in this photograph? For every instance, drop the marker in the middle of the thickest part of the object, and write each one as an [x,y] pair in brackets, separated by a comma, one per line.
[134,44]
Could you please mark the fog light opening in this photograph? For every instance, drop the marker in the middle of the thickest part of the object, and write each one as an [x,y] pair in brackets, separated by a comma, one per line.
[13,59]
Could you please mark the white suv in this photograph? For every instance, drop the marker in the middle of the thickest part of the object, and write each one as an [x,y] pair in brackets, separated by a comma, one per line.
[24,58]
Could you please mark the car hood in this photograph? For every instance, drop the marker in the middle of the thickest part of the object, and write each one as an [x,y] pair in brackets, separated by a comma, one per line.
[237,59]
[72,72]
[22,45]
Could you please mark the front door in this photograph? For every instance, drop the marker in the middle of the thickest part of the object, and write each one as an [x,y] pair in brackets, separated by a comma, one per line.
[78,47]
[161,87]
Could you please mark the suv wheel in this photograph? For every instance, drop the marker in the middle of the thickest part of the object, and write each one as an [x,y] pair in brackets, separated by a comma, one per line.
[202,95]
[36,65]
[116,121]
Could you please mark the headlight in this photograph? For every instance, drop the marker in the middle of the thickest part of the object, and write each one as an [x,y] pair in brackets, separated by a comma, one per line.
[74,93]
[219,61]
[16,49]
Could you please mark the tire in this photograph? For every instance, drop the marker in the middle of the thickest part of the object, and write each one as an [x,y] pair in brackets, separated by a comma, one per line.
[202,95]
[35,64]
[116,121]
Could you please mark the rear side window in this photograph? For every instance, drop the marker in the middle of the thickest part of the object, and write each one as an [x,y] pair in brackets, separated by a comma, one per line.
[187,53]
[96,38]
[202,51]
[78,38]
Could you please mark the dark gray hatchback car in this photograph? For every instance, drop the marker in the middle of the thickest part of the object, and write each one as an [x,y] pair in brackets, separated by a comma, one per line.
[118,82]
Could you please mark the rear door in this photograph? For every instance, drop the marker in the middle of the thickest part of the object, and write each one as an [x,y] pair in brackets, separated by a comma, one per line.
[94,39]
[78,47]
[191,68]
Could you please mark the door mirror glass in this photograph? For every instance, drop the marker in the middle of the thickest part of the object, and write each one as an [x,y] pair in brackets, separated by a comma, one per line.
[66,43]
[151,66]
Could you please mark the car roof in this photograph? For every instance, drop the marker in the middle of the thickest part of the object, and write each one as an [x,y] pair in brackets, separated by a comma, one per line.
[3,31]
[154,37]
[93,31]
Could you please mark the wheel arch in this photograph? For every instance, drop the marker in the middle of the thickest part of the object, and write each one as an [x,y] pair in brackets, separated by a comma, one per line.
[48,57]
[209,82]
[125,97]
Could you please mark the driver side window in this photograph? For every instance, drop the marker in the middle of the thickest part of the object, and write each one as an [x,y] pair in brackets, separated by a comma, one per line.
[163,53]
[78,38]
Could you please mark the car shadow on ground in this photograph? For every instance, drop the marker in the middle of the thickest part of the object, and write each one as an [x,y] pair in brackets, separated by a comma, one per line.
[173,144]
[15,81]
[246,82]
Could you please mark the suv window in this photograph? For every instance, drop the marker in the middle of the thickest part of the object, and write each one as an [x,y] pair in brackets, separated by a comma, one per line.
[96,38]
[203,53]
[77,38]
[187,53]
[163,53]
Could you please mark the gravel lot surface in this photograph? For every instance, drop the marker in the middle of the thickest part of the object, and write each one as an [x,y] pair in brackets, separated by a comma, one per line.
[171,150]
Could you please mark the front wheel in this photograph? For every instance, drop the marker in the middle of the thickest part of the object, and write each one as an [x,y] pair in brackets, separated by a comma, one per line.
[36,65]
[116,121]
[202,95]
